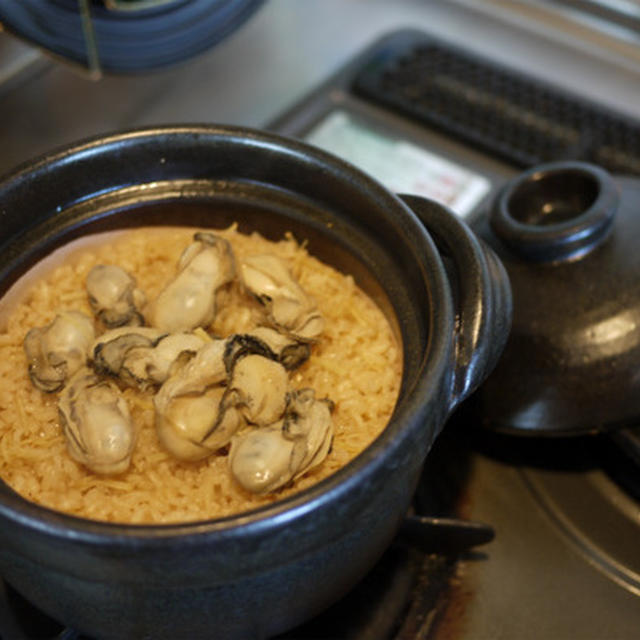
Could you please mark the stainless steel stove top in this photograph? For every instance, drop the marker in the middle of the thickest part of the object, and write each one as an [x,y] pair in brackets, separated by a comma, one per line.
[285,50]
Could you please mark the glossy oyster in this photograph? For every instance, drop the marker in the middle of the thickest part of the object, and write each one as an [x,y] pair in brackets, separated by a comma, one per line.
[97,424]
[191,415]
[55,352]
[189,300]
[288,306]
[204,370]
[265,459]
[193,427]
[260,459]
[269,343]
[289,352]
[258,388]
[143,357]
[228,382]
[114,296]
[308,423]
[109,351]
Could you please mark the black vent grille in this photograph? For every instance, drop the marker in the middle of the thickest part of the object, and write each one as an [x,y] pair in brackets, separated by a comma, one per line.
[502,112]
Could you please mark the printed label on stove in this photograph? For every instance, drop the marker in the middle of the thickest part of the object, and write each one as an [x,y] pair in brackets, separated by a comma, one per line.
[401,166]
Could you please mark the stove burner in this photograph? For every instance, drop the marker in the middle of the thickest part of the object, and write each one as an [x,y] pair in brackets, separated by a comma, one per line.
[597,516]
[599,509]
[588,486]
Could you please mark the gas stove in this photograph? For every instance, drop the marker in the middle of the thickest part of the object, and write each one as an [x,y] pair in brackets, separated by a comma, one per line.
[439,120]
[563,556]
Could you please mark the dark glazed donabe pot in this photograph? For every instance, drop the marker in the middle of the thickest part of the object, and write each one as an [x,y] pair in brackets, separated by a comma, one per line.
[567,234]
[259,573]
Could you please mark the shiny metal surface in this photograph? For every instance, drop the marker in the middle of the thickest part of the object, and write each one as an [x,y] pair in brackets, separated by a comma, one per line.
[285,50]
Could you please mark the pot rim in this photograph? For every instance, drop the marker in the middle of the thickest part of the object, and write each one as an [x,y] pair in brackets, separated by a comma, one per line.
[409,414]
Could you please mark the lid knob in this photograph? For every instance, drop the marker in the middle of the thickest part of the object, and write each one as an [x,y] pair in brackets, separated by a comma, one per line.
[556,211]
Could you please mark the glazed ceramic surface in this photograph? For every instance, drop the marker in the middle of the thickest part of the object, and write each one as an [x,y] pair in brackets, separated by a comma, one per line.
[568,234]
[256,574]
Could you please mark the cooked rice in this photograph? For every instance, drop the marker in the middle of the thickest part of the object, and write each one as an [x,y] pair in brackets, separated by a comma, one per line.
[356,363]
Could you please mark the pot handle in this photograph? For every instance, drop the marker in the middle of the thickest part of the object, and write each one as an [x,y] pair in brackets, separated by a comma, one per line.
[481,294]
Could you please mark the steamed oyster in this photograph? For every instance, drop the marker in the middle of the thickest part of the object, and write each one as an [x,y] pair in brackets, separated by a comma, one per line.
[114,297]
[193,427]
[289,352]
[189,300]
[258,387]
[96,423]
[288,306]
[308,423]
[260,459]
[265,459]
[270,343]
[192,417]
[109,351]
[55,352]
[226,384]
[205,369]
[143,357]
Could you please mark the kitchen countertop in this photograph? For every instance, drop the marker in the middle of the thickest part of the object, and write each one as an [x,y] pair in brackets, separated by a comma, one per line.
[282,52]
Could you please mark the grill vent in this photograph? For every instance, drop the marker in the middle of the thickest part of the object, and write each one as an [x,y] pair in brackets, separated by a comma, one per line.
[495,109]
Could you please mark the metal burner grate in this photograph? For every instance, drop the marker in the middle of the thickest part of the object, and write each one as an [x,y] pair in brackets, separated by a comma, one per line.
[513,117]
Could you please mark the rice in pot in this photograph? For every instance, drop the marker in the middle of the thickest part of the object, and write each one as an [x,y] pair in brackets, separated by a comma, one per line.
[356,363]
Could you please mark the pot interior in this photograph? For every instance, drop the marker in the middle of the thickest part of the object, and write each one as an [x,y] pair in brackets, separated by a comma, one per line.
[348,224]
[251,207]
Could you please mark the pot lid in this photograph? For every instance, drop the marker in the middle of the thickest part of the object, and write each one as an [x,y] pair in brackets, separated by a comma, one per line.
[568,234]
